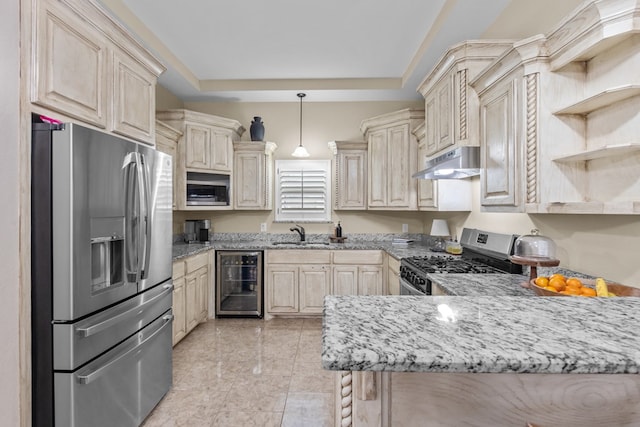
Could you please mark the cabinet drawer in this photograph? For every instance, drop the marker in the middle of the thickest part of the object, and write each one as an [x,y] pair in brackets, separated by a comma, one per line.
[305,256]
[178,269]
[357,257]
[197,261]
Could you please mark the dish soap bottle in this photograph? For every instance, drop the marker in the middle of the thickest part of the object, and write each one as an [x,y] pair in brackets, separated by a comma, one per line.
[338,230]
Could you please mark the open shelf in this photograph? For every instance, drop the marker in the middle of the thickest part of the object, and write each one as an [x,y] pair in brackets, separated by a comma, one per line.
[600,152]
[602,99]
[619,208]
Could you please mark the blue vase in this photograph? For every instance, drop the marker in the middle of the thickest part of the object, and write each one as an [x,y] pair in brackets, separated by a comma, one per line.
[257,129]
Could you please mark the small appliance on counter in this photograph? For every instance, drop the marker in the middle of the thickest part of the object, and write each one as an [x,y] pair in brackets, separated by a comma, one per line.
[197,230]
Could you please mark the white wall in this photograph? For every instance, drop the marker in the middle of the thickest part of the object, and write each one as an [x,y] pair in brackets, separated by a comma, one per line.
[9,214]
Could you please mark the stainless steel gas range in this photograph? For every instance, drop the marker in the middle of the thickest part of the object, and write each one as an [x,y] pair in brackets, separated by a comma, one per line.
[483,252]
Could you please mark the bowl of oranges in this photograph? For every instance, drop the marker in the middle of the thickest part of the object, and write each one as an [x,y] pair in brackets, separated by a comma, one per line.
[559,285]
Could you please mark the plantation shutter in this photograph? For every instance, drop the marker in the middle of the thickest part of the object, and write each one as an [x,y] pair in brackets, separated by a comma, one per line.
[303,190]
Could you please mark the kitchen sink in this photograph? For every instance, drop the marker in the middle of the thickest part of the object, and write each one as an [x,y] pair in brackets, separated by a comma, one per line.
[300,243]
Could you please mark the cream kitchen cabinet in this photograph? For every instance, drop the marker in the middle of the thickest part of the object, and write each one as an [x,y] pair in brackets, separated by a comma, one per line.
[205,147]
[393,275]
[357,272]
[167,142]
[296,288]
[350,166]
[392,154]
[440,195]
[191,281]
[451,106]
[179,303]
[87,67]
[253,175]
[558,120]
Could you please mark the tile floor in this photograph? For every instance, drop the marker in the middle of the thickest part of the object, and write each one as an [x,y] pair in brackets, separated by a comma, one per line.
[249,372]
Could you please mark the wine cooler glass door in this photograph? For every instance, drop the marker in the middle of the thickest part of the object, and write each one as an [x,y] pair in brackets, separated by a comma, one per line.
[239,284]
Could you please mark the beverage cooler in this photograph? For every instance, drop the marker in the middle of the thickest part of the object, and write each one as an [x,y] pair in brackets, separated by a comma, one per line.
[239,284]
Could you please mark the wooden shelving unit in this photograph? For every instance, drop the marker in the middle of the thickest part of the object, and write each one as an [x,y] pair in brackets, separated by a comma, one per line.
[601,100]
[601,152]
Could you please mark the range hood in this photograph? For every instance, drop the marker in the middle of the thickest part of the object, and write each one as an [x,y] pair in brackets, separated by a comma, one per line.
[459,163]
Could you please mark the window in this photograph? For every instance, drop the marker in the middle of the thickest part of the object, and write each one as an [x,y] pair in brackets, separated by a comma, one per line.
[303,190]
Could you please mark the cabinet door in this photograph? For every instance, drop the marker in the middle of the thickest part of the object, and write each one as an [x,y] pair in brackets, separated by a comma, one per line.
[315,283]
[426,191]
[192,309]
[178,309]
[393,277]
[134,99]
[221,152]
[169,147]
[378,163]
[498,116]
[398,172]
[197,147]
[202,305]
[352,186]
[430,124]
[249,178]
[282,289]
[445,114]
[345,280]
[369,280]
[70,70]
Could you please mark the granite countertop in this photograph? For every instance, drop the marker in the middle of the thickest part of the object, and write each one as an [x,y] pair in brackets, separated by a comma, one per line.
[182,250]
[459,284]
[489,334]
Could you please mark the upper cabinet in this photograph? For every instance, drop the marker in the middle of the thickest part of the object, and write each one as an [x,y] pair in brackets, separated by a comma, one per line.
[88,67]
[204,149]
[558,117]
[392,154]
[253,175]
[350,166]
[451,106]
[167,142]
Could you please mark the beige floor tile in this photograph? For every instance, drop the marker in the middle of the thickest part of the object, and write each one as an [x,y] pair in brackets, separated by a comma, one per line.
[308,410]
[249,372]
[247,419]
[258,393]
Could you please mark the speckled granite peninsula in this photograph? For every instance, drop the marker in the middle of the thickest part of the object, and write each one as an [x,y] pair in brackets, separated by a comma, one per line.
[484,360]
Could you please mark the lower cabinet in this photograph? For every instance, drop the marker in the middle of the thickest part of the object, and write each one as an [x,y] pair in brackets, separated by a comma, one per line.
[300,288]
[297,288]
[393,276]
[191,281]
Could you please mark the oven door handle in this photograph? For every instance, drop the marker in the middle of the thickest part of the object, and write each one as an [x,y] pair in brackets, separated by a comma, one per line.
[125,315]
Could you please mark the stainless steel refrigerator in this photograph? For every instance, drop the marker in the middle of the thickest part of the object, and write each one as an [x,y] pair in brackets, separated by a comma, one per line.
[101,277]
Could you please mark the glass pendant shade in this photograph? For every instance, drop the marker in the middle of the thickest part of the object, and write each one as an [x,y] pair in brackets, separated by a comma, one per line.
[300,151]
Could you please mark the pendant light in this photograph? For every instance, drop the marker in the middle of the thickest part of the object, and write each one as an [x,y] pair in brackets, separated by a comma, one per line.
[300,151]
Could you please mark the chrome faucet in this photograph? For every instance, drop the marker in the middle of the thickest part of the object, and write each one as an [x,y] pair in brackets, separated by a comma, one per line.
[300,230]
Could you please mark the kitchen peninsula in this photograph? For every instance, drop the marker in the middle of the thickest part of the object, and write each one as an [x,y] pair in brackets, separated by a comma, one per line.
[483,360]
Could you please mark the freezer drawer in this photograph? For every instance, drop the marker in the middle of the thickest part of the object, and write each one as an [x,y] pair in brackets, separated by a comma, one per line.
[75,344]
[121,387]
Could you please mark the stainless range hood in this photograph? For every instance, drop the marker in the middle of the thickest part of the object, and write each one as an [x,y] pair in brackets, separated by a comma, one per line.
[459,163]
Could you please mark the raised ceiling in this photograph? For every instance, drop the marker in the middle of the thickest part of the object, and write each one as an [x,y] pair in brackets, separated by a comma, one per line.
[334,50]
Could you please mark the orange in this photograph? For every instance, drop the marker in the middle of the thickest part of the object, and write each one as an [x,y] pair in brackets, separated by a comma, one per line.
[573,291]
[588,292]
[574,281]
[556,275]
[557,283]
[551,288]
[542,282]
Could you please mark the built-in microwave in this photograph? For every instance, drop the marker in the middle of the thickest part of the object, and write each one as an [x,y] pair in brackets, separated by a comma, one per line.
[207,189]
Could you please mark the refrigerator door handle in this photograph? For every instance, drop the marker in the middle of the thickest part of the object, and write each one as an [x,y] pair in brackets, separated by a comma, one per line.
[146,215]
[98,372]
[125,315]
[132,217]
